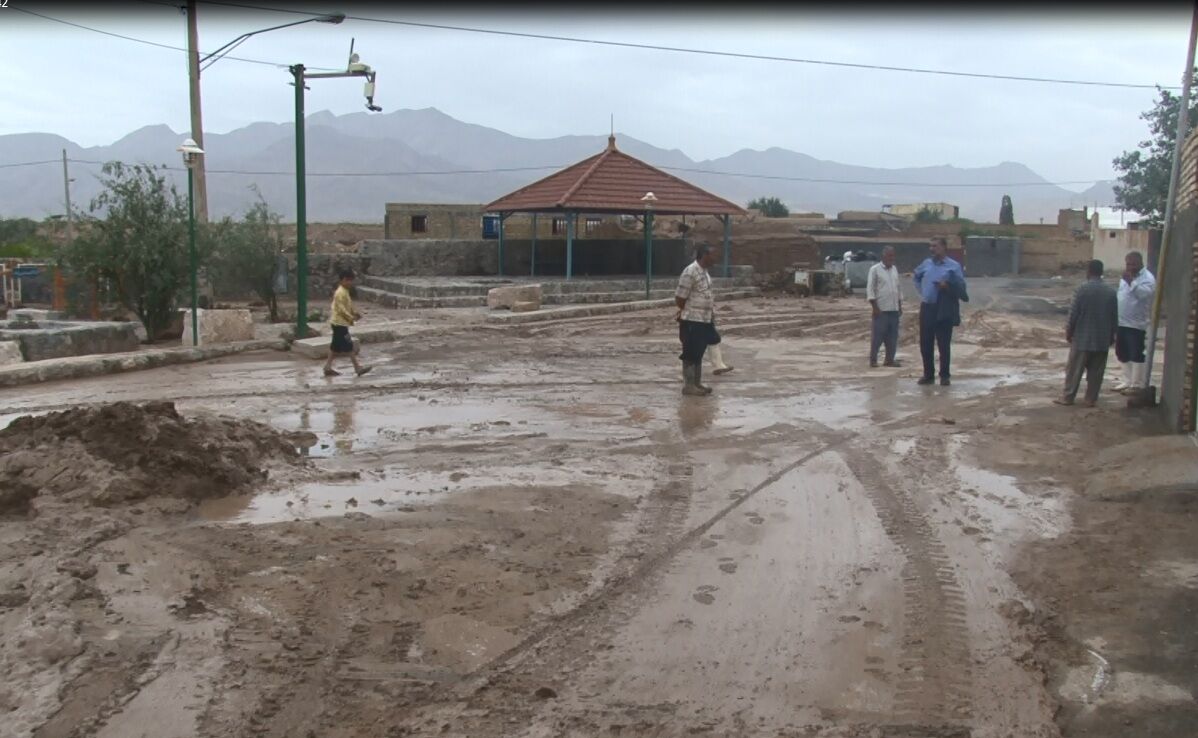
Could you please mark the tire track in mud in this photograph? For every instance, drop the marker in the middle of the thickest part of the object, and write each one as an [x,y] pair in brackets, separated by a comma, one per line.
[935,661]
[623,583]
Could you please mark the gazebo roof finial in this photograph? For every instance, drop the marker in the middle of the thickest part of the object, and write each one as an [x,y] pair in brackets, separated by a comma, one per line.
[611,142]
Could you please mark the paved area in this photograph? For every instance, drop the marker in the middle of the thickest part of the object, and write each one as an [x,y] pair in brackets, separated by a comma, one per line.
[527,531]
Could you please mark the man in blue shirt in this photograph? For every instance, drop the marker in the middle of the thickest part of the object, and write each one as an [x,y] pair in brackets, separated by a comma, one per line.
[941,284]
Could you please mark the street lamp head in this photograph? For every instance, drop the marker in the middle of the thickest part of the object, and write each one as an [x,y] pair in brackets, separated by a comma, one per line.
[189,147]
[335,18]
[649,199]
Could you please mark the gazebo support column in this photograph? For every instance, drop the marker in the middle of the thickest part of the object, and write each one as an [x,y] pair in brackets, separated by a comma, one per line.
[502,218]
[727,246]
[532,270]
[569,245]
[648,254]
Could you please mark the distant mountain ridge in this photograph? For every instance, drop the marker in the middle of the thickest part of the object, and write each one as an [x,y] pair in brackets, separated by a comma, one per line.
[379,149]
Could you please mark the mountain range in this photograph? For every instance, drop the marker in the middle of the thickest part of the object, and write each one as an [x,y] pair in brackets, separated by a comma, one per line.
[401,156]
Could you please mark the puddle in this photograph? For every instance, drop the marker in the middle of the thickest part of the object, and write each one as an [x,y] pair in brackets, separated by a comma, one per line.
[399,489]
[1007,507]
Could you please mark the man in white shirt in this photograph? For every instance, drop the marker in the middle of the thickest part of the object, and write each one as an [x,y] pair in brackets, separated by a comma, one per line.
[882,291]
[1136,291]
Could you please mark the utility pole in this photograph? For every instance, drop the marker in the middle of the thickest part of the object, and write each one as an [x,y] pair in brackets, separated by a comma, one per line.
[66,191]
[197,123]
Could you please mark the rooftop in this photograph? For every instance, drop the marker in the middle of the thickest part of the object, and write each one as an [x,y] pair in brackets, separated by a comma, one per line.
[613,182]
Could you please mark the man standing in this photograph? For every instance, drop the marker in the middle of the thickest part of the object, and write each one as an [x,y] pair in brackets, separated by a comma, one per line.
[1135,308]
[882,291]
[941,284]
[696,318]
[1090,332]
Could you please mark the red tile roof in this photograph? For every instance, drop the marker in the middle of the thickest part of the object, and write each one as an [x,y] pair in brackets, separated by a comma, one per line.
[613,182]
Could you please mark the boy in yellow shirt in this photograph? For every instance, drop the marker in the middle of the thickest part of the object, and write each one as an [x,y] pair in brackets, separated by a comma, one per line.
[343,316]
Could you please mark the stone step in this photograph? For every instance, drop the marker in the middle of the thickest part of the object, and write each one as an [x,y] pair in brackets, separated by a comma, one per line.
[398,300]
[503,317]
[429,288]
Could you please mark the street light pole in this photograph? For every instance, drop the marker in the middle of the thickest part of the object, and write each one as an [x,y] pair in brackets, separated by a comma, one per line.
[298,72]
[196,64]
[301,207]
[191,155]
[649,199]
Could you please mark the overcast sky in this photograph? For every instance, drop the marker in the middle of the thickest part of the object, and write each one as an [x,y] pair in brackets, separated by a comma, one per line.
[93,89]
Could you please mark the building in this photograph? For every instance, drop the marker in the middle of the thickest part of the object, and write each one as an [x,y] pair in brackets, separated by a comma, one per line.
[1114,236]
[1074,222]
[942,209]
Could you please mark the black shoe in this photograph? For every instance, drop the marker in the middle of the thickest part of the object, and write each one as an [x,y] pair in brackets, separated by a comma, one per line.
[944,382]
[926,380]
[873,365]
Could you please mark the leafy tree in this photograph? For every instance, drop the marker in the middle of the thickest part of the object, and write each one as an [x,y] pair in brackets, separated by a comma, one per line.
[928,215]
[140,244]
[1006,212]
[246,254]
[1143,183]
[20,239]
[771,207]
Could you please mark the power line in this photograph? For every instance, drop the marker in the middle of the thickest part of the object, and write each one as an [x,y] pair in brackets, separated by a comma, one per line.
[500,170]
[711,52]
[150,43]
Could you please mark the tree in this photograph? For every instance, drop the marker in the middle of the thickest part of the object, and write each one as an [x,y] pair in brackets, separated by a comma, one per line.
[20,239]
[246,254]
[770,207]
[1143,182]
[928,215]
[140,245]
[1006,212]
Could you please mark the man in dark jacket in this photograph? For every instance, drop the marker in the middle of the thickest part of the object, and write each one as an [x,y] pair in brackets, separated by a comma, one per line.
[941,284]
[1090,331]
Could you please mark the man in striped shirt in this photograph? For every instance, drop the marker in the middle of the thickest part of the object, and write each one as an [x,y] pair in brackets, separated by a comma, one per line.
[696,318]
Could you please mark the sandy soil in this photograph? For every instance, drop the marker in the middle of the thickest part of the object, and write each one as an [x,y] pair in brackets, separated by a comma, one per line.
[527,531]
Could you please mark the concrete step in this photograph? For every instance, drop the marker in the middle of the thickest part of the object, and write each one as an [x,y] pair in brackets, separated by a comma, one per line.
[434,288]
[399,300]
[503,317]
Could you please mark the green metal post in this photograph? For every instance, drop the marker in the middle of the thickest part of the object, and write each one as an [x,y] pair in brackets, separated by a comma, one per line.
[301,215]
[569,245]
[533,268]
[727,246]
[648,254]
[501,219]
[191,237]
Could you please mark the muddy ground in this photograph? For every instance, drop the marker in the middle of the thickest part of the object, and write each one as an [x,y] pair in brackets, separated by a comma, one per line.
[527,531]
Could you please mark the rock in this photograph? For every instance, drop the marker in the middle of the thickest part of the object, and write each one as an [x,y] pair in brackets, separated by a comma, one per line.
[525,306]
[506,297]
[545,693]
[10,353]
[220,326]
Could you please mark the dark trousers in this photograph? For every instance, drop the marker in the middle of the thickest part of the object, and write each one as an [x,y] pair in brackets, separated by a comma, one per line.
[934,335]
[695,338]
[885,330]
[1093,365]
[1130,344]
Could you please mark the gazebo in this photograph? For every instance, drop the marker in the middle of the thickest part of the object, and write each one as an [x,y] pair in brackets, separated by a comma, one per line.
[613,183]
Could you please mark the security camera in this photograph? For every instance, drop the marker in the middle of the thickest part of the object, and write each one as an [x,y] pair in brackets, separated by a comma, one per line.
[368,91]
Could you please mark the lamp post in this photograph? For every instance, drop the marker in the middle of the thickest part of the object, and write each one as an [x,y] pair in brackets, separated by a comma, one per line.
[194,62]
[191,154]
[649,199]
[355,68]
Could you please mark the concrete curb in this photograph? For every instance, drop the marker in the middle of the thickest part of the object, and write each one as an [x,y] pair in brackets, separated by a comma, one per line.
[586,311]
[369,333]
[75,367]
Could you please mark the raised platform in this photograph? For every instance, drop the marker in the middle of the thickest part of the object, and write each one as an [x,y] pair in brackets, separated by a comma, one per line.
[460,292]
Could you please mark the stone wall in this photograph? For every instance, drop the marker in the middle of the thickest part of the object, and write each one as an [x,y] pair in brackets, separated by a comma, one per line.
[465,221]
[54,339]
[1180,300]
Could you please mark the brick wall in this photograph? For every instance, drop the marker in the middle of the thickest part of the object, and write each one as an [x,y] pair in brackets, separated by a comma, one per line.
[1180,299]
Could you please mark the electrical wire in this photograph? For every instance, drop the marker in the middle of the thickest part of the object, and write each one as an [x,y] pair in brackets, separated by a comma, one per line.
[153,43]
[711,52]
[501,170]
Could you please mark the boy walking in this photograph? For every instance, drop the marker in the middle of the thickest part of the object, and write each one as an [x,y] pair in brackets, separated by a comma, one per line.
[343,316]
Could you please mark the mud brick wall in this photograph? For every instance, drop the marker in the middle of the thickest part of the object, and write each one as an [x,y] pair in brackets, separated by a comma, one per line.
[1180,306]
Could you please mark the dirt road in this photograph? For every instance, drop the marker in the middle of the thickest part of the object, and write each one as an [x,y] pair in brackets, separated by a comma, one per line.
[529,532]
